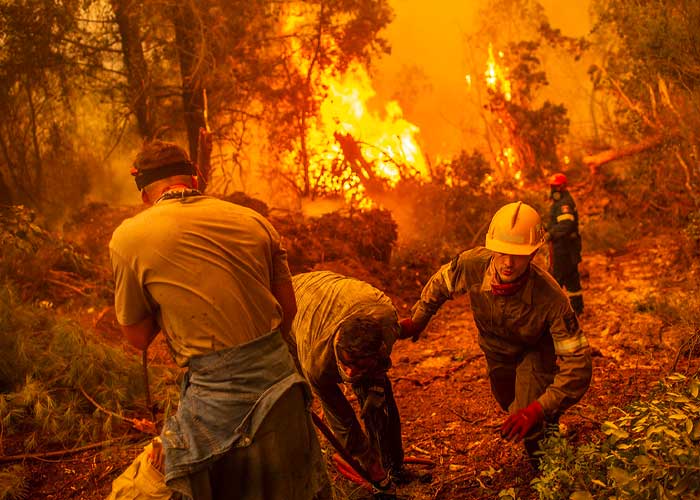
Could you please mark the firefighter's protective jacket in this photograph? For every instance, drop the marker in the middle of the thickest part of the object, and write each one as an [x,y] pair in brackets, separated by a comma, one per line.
[538,317]
[324,301]
[563,226]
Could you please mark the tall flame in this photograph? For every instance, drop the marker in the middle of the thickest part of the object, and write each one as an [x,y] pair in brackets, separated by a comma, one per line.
[497,76]
[350,148]
[499,85]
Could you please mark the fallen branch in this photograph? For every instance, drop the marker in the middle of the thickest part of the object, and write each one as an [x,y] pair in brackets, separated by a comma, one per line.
[585,417]
[66,285]
[142,424]
[69,451]
[593,162]
[414,381]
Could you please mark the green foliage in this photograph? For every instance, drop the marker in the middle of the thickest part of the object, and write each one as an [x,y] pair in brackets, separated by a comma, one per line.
[650,452]
[13,483]
[643,90]
[507,494]
[656,38]
[542,129]
[48,362]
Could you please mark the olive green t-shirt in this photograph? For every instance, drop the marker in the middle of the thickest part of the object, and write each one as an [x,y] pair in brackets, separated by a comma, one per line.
[204,267]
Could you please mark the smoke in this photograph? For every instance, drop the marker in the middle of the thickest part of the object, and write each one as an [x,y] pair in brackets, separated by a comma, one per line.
[431,57]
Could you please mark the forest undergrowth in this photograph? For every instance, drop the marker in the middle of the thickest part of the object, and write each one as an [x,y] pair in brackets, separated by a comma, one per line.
[68,383]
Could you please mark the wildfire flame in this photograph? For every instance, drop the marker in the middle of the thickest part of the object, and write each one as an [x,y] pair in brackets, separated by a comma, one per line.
[350,149]
[499,85]
[497,76]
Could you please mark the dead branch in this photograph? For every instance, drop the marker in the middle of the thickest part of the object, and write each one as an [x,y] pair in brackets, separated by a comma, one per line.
[687,348]
[101,315]
[634,106]
[141,424]
[69,451]
[687,184]
[459,415]
[66,285]
[414,381]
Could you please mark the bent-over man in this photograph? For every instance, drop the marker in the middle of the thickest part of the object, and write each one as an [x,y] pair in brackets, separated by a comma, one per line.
[344,332]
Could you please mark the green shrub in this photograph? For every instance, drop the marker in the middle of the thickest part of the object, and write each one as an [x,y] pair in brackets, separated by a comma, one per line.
[13,483]
[650,452]
[49,362]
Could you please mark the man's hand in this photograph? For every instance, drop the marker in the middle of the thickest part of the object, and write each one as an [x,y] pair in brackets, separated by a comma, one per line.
[409,329]
[376,400]
[517,426]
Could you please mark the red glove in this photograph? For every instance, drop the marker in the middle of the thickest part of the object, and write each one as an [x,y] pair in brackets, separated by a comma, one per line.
[520,424]
[409,329]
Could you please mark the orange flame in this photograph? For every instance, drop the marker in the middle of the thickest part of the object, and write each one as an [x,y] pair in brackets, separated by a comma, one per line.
[350,147]
[496,79]
[497,76]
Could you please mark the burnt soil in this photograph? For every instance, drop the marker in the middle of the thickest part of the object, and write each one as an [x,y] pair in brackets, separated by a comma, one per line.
[448,414]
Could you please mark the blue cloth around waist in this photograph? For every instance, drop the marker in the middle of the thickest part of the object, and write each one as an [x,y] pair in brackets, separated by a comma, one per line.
[224,399]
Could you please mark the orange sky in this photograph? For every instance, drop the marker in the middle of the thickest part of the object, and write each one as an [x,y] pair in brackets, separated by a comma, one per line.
[430,36]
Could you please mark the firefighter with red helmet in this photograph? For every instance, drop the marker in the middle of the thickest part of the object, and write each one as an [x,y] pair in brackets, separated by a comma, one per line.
[565,240]
[537,357]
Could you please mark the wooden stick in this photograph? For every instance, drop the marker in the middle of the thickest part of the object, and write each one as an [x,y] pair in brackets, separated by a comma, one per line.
[143,425]
[69,451]
[145,381]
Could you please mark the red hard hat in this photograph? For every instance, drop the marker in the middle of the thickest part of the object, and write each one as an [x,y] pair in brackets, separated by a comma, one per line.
[557,180]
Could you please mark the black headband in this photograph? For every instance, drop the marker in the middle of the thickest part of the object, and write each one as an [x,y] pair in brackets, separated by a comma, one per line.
[145,177]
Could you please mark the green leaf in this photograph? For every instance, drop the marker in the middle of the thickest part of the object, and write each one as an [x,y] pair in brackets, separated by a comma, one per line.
[611,429]
[695,433]
[671,433]
[581,495]
[641,460]
[620,476]
[694,387]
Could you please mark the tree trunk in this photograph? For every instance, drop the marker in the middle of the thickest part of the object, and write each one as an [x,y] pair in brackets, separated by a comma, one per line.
[6,197]
[593,162]
[191,69]
[126,13]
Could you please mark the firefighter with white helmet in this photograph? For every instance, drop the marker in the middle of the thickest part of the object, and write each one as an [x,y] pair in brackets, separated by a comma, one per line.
[538,359]
[565,240]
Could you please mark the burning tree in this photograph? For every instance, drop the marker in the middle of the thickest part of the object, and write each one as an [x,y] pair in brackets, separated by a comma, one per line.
[523,138]
[331,143]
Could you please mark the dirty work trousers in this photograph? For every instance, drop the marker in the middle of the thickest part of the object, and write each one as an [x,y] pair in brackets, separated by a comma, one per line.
[517,383]
[383,426]
[284,462]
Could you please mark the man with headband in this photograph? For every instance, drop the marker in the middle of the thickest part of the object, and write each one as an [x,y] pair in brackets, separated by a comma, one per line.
[344,331]
[213,277]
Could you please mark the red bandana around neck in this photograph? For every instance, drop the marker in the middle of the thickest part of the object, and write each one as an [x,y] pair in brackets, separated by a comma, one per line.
[507,289]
